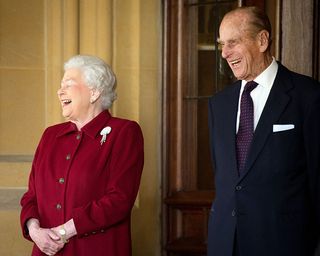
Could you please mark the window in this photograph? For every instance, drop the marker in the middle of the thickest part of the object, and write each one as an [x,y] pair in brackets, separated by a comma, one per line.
[193,72]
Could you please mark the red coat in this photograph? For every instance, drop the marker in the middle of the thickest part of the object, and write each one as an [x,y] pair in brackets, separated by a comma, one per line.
[75,176]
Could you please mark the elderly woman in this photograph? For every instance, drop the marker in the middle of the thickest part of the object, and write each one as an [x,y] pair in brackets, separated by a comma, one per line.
[86,172]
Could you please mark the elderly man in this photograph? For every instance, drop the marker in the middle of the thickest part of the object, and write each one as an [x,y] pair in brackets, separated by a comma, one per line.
[265,141]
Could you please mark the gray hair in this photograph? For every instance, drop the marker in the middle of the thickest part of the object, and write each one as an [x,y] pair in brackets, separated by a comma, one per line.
[97,74]
[258,20]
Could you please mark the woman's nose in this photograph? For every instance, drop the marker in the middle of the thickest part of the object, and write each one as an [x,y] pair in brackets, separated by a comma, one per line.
[59,91]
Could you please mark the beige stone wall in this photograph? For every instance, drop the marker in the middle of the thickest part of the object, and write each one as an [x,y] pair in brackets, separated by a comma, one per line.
[36,37]
[297,29]
[22,112]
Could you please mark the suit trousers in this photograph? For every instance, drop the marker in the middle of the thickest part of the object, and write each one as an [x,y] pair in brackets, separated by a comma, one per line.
[236,251]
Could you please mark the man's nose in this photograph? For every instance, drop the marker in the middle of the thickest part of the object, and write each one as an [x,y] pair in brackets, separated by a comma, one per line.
[225,52]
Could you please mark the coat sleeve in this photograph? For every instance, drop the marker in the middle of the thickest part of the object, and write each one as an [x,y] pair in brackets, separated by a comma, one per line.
[211,124]
[125,168]
[29,200]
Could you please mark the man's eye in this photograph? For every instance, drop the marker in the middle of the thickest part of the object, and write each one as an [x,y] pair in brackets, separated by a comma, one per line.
[232,43]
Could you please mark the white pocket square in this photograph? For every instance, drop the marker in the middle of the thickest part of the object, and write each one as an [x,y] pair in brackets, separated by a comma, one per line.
[282,127]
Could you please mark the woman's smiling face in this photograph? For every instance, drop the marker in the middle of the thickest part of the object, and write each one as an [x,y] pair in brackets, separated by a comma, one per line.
[74,95]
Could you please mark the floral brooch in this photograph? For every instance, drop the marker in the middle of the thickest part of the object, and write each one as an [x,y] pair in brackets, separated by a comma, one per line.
[104,132]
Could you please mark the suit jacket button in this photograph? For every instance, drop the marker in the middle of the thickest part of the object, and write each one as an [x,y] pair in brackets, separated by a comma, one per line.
[233,213]
[58,206]
[238,187]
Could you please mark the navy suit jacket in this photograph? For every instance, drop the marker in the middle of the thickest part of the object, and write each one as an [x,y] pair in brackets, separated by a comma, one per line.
[274,206]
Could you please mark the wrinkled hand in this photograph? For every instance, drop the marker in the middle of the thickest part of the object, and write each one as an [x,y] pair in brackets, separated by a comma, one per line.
[46,239]
[69,228]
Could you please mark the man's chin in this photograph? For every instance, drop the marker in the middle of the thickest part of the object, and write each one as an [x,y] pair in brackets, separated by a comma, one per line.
[237,73]
[239,76]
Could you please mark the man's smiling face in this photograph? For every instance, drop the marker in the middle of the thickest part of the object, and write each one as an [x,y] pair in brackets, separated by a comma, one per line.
[240,48]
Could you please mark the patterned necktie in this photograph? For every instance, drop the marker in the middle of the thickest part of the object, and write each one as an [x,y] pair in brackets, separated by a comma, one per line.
[246,126]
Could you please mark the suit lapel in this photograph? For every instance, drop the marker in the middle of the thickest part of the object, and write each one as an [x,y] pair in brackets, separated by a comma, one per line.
[229,128]
[275,105]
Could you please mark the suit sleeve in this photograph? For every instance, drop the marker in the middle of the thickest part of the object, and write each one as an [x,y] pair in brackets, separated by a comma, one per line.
[312,145]
[125,170]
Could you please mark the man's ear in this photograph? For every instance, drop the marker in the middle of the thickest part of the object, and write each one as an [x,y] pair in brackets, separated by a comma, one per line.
[263,40]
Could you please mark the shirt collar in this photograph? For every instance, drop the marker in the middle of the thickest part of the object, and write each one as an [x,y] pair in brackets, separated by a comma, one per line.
[266,78]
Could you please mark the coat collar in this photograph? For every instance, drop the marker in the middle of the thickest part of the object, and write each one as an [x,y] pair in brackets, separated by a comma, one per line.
[92,129]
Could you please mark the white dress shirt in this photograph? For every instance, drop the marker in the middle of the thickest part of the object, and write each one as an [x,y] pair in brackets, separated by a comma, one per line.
[260,94]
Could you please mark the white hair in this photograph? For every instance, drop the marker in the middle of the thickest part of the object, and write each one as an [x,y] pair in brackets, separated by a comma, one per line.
[97,74]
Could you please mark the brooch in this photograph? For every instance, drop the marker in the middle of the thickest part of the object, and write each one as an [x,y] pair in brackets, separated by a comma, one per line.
[104,132]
